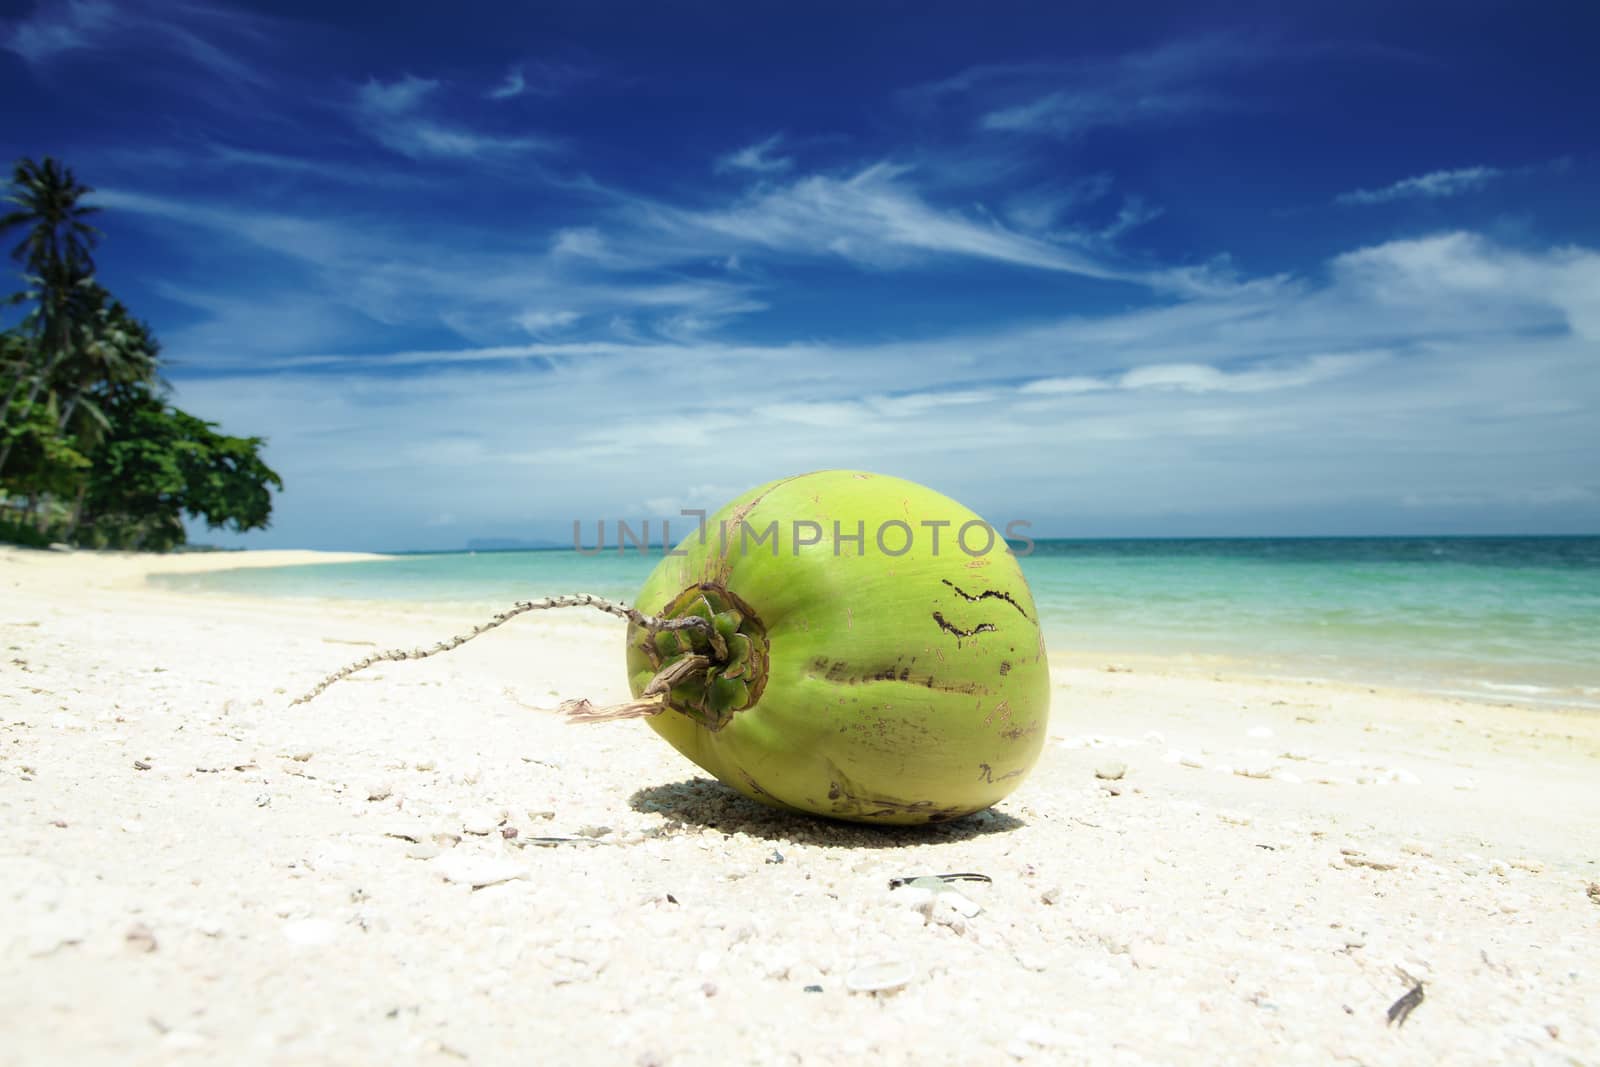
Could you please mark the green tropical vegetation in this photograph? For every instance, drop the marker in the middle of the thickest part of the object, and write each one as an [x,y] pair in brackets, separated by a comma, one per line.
[92,451]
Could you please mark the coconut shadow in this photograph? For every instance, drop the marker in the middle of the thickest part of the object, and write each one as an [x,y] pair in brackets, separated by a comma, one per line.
[706,802]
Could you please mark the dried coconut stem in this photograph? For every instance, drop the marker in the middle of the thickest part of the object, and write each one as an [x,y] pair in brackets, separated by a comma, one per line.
[576,600]
[577,712]
[653,701]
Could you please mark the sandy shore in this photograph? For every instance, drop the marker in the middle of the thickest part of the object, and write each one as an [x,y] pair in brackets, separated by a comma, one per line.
[193,868]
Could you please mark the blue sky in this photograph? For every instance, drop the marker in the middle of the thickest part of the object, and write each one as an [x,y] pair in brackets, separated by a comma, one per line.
[1163,269]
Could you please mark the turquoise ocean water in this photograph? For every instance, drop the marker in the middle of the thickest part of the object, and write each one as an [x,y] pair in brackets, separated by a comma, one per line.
[1509,617]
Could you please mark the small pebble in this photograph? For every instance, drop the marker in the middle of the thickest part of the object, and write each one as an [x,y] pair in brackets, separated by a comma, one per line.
[380,792]
[480,822]
[1111,771]
[883,977]
[962,905]
[140,938]
[466,868]
[1354,857]
[413,832]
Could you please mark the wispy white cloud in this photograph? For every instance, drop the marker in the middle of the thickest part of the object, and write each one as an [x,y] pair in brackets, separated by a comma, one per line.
[1262,377]
[1133,213]
[1466,275]
[1069,100]
[1068,386]
[1204,378]
[584,242]
[758,158]
[483,285]
[399,97]
[543,78]
[543,323]
[314,169]
[201,162]
[1439,183]
[214,39]
[514,84]
[1070,113]
[875,218]
[1043,207]
[254,328]
[709,497]
[394,113]
[58,28]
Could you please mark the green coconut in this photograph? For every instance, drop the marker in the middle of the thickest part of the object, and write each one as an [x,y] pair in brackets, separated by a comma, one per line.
[839,643]
[891,670]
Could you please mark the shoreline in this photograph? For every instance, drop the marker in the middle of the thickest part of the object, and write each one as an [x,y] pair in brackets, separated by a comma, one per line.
[120,567]
[133,570]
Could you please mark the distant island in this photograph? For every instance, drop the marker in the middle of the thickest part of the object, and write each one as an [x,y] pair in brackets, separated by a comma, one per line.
[511,544]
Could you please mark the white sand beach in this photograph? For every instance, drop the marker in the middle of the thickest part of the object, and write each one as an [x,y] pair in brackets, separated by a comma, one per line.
[427,865]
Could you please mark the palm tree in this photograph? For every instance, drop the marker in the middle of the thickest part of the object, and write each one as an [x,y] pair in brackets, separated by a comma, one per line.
[48,198]
[121,355]
[115,349]
[56,253]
